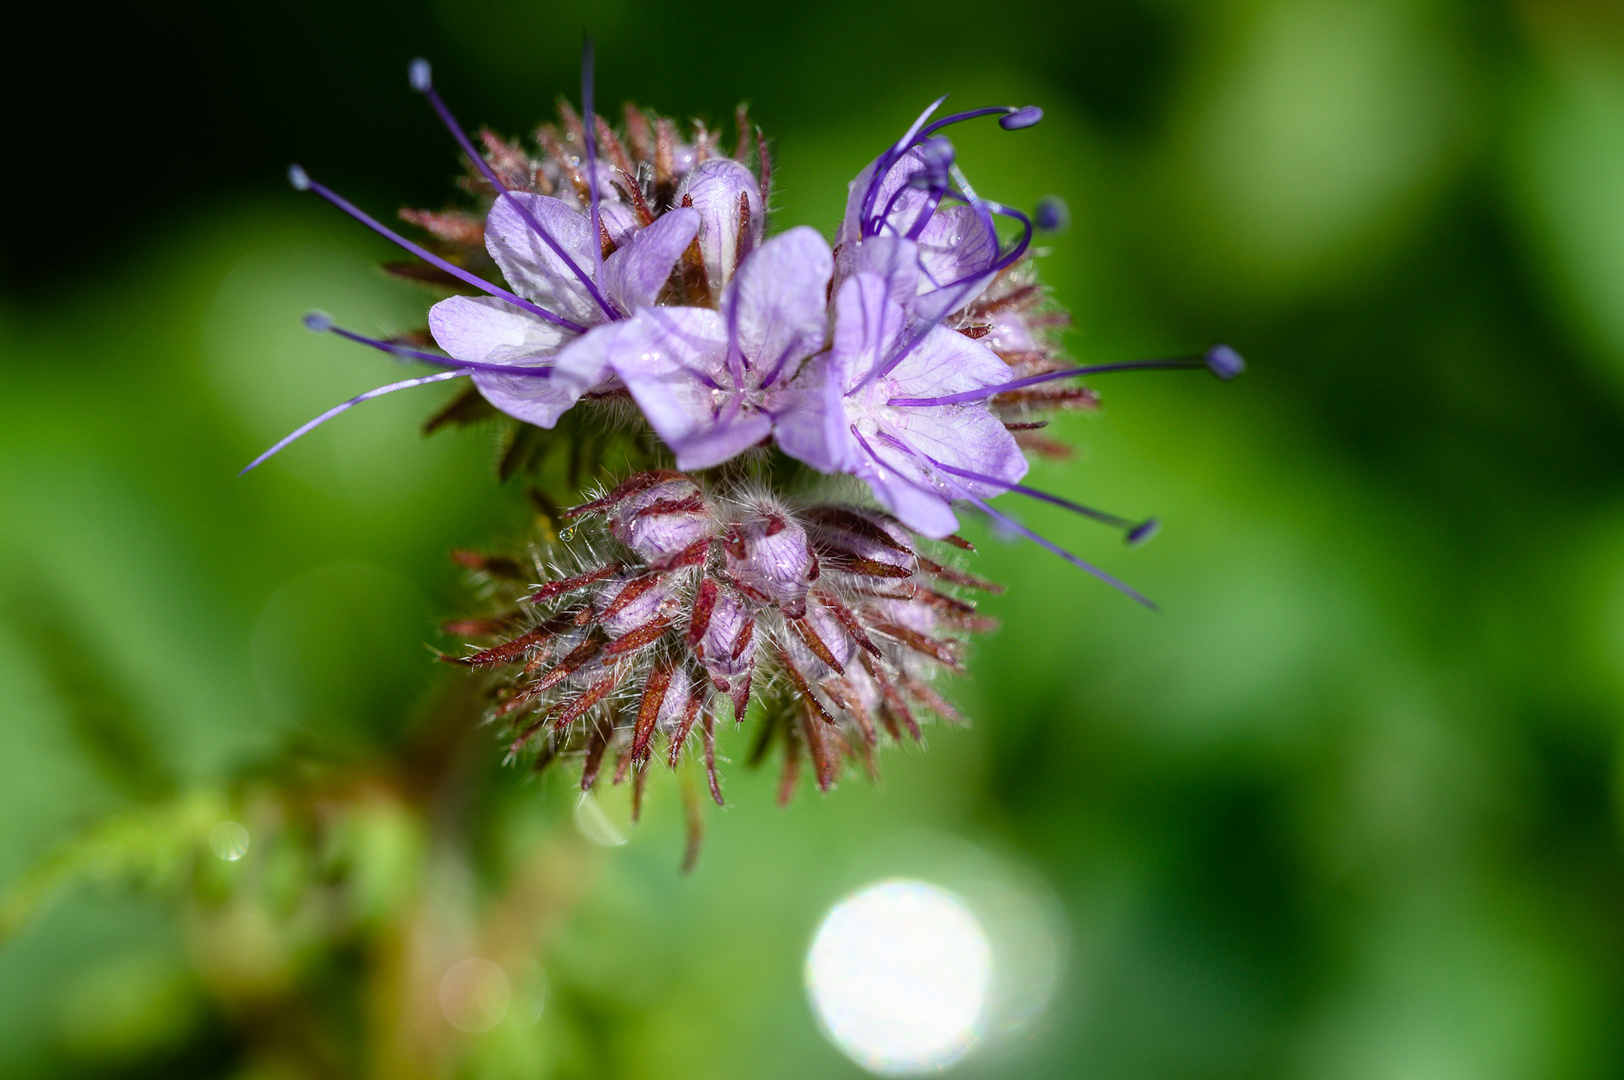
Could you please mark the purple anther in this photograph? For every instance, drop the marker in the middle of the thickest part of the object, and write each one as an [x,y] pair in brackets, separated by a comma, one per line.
[1135,533]
[420,74]
[1052,214]
[1003,521]
[298,178]
[319,321]
[936,154]
[1224,362]
[1023,117]
[1087,567]
[1143,531]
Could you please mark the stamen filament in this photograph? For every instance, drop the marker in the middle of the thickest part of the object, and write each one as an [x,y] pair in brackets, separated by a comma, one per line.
[1221,360]
[425,86]
[1135,530]
[968,284]
[882,165]
[1049,545]
[302,182]
[1012,118]
[321,324]
[959,118]
[979,504]
[350,404]
[589,135]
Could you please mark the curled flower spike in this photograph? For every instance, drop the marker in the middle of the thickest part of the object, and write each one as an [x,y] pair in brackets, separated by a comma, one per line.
[679,600]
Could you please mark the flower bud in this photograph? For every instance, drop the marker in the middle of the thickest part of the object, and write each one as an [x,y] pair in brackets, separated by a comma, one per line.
[732,220]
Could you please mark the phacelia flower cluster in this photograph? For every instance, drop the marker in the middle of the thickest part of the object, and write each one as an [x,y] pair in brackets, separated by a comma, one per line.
[628,272]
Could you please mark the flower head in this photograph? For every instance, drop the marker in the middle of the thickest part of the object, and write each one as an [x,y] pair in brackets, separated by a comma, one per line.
[919,355]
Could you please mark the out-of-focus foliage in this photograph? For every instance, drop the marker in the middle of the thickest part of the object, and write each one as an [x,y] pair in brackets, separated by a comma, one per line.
[1348,807]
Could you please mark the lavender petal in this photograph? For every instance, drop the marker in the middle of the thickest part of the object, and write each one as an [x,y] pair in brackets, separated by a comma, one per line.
[635,273]
[530,265]
[776,306]
[485,330]
[715,188]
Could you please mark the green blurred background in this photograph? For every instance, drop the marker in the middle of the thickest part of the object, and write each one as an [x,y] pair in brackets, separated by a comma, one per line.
[1348,807]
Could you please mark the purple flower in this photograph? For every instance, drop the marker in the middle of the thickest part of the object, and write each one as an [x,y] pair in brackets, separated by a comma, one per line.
[569,267]
[710,383]
[852,413]
[900,194]
[492,333]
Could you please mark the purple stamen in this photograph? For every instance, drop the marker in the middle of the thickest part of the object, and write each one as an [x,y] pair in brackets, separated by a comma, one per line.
[350,404]
[1143,532]
[1005,519]
[932,204]
[301,181]
[1136,532]
[1011,117]
[1219,359]
[1224,362]
[322,323]
[589,134]
[966,285]
[882,167]
[422,83]
[1023,117]
[1009,522]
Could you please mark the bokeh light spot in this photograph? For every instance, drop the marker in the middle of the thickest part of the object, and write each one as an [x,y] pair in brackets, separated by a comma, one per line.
[229,841]
[474,995]
[899,974]
[595,824]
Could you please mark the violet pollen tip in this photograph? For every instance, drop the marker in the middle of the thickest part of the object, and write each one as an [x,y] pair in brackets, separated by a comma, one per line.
[298,178]
[1023,117]
[1224,362]
[1052,215]
[420,74]
[319,321]
[1142,532]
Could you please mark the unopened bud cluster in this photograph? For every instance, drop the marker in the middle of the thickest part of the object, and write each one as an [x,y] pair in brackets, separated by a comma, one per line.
[679,608]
